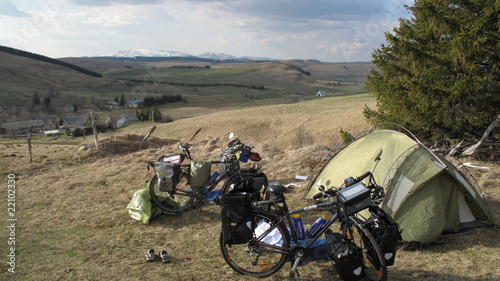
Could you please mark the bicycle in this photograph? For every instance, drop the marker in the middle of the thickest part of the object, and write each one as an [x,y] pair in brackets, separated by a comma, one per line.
[171,187]
[264,236]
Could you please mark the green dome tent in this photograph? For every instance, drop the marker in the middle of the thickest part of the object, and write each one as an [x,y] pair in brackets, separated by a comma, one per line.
[425,194]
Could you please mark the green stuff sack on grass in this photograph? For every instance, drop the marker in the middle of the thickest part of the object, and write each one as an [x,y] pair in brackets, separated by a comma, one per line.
[141,208]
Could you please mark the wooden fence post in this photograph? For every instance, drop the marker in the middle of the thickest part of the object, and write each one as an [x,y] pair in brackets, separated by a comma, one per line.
[147,136]
[29,144]
[94,130]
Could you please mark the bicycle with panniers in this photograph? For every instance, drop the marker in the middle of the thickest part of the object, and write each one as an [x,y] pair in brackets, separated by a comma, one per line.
[259,236]
[178,186]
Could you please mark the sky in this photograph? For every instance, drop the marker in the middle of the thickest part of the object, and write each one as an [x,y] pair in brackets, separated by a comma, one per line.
[325,30]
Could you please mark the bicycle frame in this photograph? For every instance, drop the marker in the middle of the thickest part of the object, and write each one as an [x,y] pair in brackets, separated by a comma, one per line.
[275,239]
[285,215]
[212,184]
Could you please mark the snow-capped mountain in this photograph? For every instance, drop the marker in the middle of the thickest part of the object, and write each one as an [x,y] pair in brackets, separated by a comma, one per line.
[147,53]
[142,52]
[215,56]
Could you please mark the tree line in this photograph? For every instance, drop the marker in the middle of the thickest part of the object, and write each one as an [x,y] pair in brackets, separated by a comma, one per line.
[49,60]
[164,99]
[200,84]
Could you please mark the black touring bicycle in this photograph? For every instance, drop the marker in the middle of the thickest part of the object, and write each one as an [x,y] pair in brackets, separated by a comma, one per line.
[260,236]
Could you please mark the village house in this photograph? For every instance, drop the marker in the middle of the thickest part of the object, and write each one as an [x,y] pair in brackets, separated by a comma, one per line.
[69,108]
[74,122]
[21,127]
[127,119]
[135,103]
[112,105]
[49,123]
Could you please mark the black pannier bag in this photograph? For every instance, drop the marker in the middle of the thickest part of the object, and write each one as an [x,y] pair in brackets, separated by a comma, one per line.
[348,257]
[258,182]
[387,233]
[236,215]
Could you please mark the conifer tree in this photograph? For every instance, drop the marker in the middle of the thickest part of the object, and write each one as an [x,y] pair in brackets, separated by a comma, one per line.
[36,99]
[439,74]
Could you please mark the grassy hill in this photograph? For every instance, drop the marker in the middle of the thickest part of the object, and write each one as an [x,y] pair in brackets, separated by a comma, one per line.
[20,77]
[202,85]
[72,221]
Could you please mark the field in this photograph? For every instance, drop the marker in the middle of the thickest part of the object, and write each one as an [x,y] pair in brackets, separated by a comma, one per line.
[72,222]
[283,82]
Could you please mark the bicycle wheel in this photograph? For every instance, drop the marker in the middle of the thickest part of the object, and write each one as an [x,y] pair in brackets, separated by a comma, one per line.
[264,254]
[177,201]
[373,257]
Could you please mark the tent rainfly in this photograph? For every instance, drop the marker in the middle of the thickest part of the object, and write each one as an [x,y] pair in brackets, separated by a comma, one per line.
[426,194]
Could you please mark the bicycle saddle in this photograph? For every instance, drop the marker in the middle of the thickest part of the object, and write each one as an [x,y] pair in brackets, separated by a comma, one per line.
[184,147]
[276,189]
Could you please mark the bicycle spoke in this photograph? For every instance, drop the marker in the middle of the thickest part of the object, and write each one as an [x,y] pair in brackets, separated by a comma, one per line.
[256,257]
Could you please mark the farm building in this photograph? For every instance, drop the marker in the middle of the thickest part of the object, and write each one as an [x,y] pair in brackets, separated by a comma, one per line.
[135,103]
[112,105]
[75,122]
[127,119]
[22,127]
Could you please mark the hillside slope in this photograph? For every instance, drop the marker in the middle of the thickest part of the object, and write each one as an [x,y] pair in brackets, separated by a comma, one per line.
[278,125]
[20,77]
[73,223]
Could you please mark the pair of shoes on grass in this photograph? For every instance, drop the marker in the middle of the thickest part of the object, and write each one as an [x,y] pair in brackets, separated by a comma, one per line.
[164,256]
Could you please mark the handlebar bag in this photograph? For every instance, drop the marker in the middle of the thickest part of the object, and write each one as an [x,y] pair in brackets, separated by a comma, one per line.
[354,198]
[348,257]
[236,217]
[242,156]
[387,233]
[168,175]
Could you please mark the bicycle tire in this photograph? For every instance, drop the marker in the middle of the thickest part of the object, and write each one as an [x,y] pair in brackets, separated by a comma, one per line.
[373,257]
[256,257]
[178,201]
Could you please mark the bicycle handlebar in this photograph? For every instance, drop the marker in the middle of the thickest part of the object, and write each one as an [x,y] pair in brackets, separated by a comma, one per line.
[363,176]
[325,193]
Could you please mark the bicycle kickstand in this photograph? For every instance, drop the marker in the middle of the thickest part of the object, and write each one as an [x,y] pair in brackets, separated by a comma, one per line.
[294,270]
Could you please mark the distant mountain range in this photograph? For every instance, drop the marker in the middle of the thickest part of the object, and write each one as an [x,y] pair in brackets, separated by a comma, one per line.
[141,52]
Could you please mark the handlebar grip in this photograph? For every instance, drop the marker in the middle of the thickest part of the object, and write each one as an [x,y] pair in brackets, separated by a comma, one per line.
[363,176]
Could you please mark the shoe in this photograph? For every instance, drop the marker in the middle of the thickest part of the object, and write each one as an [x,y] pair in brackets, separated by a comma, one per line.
[165,257]
[150,255]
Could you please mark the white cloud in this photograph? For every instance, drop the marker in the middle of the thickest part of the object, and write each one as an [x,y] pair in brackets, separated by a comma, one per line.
[9,9]
[329,30]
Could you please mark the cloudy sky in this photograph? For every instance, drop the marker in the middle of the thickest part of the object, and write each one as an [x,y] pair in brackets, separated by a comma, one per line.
[327,30]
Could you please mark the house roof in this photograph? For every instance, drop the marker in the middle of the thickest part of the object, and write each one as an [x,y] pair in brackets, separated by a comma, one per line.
[48,120]
[129,117]
[23,125]
[135,101]
[75,120]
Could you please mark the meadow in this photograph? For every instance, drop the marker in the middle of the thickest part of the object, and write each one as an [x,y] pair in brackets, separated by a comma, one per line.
[72,222]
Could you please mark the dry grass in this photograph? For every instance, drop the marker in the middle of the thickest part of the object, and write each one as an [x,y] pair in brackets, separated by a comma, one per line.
[73,222]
